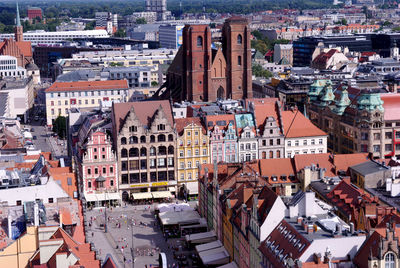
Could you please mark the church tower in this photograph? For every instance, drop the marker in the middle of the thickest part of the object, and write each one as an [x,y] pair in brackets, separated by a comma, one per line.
[237,51]
[18,30]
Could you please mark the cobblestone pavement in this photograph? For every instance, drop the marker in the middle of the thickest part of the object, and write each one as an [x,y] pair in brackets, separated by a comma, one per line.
[146,236]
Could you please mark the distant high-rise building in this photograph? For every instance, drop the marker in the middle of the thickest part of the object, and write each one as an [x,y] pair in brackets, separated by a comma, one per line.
[170,36]
[34,12]
[159,6]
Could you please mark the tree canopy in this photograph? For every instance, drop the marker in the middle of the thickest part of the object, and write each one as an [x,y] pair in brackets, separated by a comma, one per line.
[60,127]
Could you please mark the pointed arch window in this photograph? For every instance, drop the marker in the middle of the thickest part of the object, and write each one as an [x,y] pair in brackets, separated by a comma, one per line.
[199,41]
[239,39]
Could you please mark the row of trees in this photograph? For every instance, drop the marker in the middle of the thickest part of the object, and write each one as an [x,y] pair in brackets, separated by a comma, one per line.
[87,9]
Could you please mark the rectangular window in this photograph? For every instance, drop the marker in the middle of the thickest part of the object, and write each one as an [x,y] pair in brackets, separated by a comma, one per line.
[377,148]
[388,135]
[304,142]
[204,151]
[239,60]
[320,141]
[388,147]
[181,153]
[377,136]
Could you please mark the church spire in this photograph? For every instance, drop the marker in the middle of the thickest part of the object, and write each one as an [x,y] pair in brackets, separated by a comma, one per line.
[18,20]
[18,30]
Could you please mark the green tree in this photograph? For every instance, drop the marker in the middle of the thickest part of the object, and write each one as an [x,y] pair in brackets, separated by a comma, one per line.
[387,23]
[60,126]
[141,21]
[343,21]
[396,29]
[90,25]
[120,33]
[154,83]
[259,71]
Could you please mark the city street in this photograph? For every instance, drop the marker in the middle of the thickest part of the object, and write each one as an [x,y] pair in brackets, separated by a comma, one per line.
[147,237]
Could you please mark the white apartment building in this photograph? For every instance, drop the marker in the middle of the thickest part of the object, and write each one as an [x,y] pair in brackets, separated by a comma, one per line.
[62,96]
[9,67]
[49,38]
[302,136]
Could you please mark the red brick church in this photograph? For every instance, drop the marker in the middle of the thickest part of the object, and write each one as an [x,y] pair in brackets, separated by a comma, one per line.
[17,47]
[200,72]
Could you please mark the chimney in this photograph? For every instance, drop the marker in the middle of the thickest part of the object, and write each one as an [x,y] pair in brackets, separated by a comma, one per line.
[317,258]
[321,173]
[310,228]
[309,203]
[299,220]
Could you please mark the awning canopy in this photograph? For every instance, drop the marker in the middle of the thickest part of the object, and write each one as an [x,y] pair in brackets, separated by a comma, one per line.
[192,187]
[101,197]
[229,265]
[202,223]
[216,256]
[144,195]
[200,238]
[179,217]
[208,246]
[162,194]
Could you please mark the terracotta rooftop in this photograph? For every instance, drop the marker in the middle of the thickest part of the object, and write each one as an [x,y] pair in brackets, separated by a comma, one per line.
[280,168]
[296,125]
[87,85]
[218,119]
[144,110]
[25,47]
[181,123]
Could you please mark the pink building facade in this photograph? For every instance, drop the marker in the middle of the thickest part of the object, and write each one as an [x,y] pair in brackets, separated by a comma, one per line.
[99,171]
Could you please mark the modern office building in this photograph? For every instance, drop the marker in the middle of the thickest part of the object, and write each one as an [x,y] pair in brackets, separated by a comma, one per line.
[304,47]
[170,36]
[43,37]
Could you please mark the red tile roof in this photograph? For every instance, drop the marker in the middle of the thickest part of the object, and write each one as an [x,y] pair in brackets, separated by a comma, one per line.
[181,123]
[144,110]
[391,104]
[25,47]
[296,125]
[88,85]
[322,160]
[288,248]
[278,167]
[220,117]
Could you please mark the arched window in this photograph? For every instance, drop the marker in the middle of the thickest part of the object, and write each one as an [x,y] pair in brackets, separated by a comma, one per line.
[162,150]
[152,151]
[239,39]
[170,137]
[133,140]
[133,152]
[271,154]
[142,139]
[170,149]
[143,151]
[390,260]
[123,140]
[264,155]
[124,153]
[152,138]
[161,138]
[199,41]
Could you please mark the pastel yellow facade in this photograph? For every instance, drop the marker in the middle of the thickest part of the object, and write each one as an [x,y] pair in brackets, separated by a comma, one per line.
[18,253]
[192,151]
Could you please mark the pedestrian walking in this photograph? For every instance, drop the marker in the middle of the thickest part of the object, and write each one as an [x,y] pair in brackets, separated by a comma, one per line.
[92,234]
